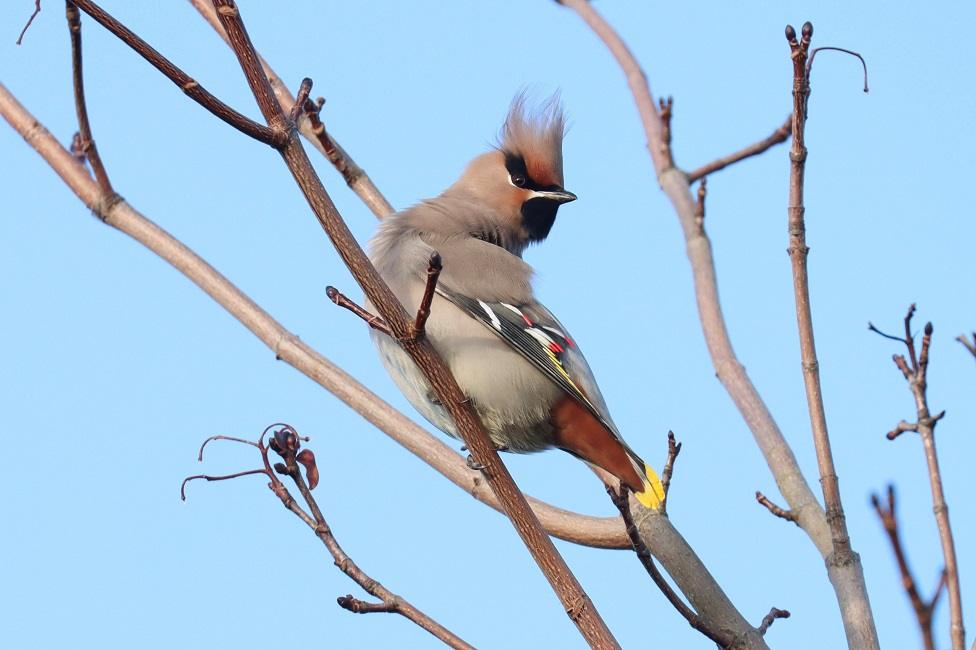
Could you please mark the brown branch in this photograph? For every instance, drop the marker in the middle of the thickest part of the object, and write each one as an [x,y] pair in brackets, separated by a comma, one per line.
[311,127]
[357,606]
[846,579]
[782,513]
[923,609]
[917,378]
[667,110]
[901,428]
[621,500]
[843,553]
[186,83]
[674,448]
[286,442]
[296,110]
[966,343]
[37,10]
[778,136]
[84,144]
[768,619]
[434,268]
[909,338]
[374,321]
[224,477]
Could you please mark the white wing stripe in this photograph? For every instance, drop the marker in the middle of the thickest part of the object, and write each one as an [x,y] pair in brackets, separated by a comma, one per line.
[539,336]
[497,324]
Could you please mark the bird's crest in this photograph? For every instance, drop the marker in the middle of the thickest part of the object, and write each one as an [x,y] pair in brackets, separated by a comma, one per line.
[536,137]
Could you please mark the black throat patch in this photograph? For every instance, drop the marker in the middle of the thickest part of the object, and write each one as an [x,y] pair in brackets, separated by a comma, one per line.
[538,215]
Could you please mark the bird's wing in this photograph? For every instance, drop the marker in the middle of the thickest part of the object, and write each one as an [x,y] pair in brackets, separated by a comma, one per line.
[536,334]
[533,331]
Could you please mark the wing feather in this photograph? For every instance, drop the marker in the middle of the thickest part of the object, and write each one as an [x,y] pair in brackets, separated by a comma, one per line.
[536,334]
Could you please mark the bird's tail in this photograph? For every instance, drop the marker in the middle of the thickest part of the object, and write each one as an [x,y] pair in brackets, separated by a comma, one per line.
[653,494]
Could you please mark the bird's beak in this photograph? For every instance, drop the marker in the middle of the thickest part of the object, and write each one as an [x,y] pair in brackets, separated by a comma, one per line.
[558,196]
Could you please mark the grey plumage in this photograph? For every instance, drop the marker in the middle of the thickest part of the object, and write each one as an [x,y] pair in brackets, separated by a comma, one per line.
[524,375]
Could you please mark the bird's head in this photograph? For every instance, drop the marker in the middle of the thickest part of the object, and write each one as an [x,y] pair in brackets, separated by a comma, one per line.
[521,181]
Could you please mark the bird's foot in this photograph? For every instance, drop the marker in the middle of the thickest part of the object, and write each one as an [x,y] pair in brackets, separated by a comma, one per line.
[473,464]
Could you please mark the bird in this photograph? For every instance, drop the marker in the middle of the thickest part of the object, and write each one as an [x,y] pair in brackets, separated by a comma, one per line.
[518,366]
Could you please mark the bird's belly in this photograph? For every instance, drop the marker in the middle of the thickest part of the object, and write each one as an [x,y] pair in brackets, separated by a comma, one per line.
[513,399]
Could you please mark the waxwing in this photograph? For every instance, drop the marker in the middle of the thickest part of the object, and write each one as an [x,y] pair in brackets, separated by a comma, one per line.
[525,376]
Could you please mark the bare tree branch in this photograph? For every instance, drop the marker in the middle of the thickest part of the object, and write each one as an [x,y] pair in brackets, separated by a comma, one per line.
[923,609]
[342,300]
[186,83]
[721,637]
[778,136]
[705,596]
[37,10]
[917,377]
[969,345]
[846,579]
[598,532]
[85,143]
[311,127]
[776,510]
[768,619]
[286,443]
[674,448]
[843,553]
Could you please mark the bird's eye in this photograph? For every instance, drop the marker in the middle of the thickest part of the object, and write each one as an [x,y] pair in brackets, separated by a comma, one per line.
[518,180]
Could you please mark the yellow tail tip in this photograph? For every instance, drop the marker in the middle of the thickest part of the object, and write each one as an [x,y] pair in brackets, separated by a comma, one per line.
[653,494]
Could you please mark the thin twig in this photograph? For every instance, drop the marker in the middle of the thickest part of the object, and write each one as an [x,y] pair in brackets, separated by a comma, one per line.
[901,428]
[667,111]
[434,267]
[598,532]
[674,448]
[969,345]
[374,321]
[843,553]
[621,500]
[909,338]
[391,602]
[872,328]
[186,83]
[316,521]
[230,438]
[312,129]
[768,619]
[923,609]
[85,142]
[358,606]
[37,10]
[224,477]
[782,513]
[778,136]
[298,107]
[917,378]
[829,48]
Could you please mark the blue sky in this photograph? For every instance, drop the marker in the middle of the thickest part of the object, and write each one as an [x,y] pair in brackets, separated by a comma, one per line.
[116,367]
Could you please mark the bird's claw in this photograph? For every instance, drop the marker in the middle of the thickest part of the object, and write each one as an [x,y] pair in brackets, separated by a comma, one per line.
[473,464]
